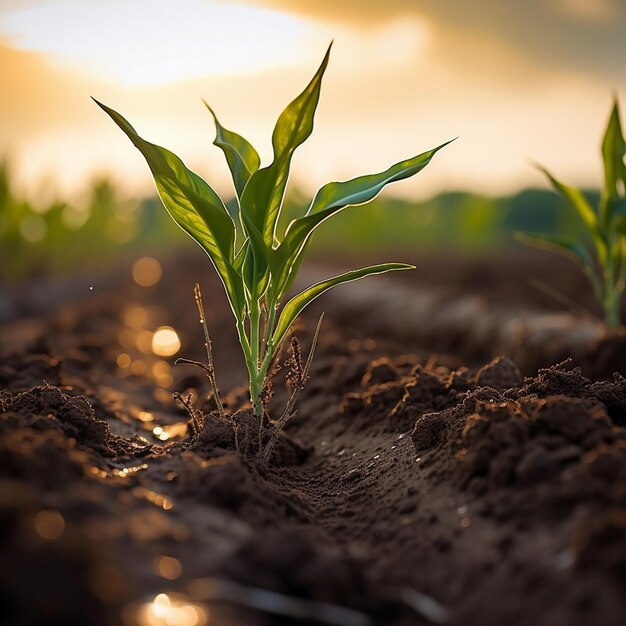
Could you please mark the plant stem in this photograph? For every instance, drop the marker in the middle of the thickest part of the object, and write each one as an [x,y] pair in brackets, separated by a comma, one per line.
[269,328]
[612,309]
[613,288]
[256,380]
[245,346]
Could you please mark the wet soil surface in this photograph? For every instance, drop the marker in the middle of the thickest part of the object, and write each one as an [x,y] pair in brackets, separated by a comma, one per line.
[417,484]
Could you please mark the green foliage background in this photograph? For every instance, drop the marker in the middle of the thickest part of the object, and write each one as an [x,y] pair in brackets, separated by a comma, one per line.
[114,225]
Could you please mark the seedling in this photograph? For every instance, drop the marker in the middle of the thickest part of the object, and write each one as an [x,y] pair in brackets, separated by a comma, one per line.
[256,266]
[601,248]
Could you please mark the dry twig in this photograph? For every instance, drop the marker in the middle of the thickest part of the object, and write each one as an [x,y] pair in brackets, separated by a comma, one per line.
[301,380]
[209,351]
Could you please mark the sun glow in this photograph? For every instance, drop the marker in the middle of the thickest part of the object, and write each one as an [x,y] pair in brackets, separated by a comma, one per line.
[202,38]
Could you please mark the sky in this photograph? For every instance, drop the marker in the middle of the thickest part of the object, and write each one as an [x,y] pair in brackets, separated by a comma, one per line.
[515,81]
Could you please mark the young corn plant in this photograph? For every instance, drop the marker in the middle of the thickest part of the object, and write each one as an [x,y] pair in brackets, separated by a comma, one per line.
[255,264]
[600,251]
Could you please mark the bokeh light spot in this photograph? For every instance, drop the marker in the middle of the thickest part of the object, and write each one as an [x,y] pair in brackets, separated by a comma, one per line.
[165,341]
[49,524]
[168,567]
[123,360]
[136,317]
[138,367]
[143,341]
[33,228]
[171,610]
[162,372]
[147,271]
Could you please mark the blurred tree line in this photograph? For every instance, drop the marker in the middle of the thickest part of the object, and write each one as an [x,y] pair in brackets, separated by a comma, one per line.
[50,237]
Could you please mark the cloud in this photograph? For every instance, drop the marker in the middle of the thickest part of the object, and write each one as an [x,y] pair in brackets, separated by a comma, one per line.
[578,36]
[516,80]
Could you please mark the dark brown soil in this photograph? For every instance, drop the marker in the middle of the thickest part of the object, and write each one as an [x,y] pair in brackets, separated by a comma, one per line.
[416,485]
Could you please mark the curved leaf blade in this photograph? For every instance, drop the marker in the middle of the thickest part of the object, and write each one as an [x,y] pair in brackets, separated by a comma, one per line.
[362,189]
[193,205]
[329,200]
[571,249]
[562,245]
[613,153]
[576,200]
[588,216]
[298,303]
[243,160]
[262,199]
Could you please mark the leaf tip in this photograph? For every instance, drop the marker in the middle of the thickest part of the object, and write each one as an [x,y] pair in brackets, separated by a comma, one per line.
[615,106]
[102,106]
[542,168]
[208,106]
[327,55]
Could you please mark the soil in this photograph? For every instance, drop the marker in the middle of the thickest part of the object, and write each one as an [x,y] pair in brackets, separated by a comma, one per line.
[427,478]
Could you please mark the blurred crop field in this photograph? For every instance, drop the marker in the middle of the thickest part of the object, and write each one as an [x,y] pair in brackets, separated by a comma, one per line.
[42,237]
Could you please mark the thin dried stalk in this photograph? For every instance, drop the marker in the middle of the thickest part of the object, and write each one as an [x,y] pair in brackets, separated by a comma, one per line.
[289,412]
[195,415]
[205,368]
[209,351]
[560,298]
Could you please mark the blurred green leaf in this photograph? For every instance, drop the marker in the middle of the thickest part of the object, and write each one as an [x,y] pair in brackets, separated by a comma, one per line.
[613,152]
[576,200]
[569,248]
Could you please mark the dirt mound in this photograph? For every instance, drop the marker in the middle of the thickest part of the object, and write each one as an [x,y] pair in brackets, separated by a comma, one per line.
[410,488]
[47,407]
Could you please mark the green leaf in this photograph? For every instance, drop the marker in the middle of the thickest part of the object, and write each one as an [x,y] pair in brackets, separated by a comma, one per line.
[193,205]
[337,195]
[298,303]
[613,152]
[243,160]
[618,207]
[262,199]
[255,273]
[562,245]
[620,225]
[567,247]
[240,256]
[329,200]
[293,271]
[576,199]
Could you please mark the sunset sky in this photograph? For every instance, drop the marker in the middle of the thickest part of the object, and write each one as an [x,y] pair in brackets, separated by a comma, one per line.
[516,81]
